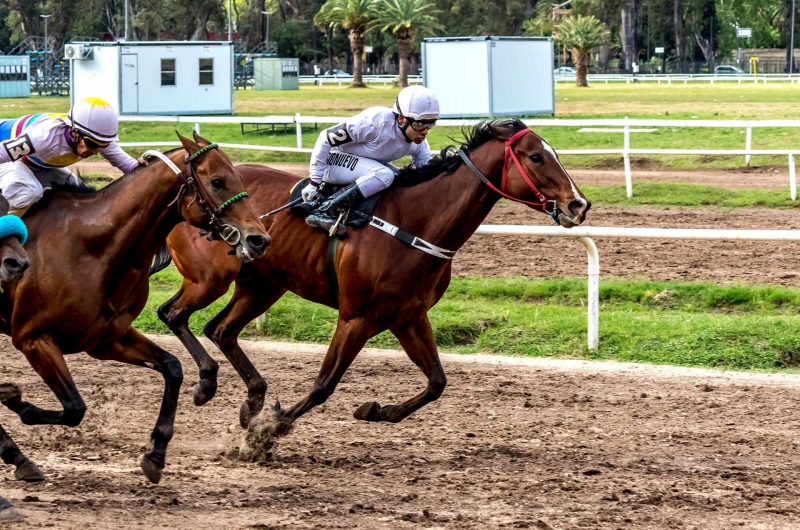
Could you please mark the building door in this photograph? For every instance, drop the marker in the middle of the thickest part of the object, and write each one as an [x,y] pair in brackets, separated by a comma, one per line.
[130,84]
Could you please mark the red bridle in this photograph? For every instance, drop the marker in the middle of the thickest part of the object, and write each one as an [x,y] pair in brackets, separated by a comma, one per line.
[541,205]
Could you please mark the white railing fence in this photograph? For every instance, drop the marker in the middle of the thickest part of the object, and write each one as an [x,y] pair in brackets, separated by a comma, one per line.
[584,235]
[621,125]
[683,79]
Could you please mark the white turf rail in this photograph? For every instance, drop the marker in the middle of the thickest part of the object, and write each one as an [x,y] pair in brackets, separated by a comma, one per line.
[584,234]
[624,126]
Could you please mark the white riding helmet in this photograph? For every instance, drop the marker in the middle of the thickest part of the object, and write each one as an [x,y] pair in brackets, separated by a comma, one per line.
[95,118]
[418,103]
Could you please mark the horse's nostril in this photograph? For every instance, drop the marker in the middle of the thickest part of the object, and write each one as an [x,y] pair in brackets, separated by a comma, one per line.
[577,207]
[15,266]
[257,242]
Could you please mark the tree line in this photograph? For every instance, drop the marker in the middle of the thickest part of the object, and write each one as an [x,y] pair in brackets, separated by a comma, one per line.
[336,33]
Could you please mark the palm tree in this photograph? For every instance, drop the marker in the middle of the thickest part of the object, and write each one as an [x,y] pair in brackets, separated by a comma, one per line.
[407,20]
[354,16]
[581,34]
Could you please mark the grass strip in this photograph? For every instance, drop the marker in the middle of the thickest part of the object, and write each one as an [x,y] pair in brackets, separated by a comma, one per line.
[691,324]
[692,195]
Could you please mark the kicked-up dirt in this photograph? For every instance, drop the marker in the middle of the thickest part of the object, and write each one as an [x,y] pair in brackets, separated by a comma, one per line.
[512,443]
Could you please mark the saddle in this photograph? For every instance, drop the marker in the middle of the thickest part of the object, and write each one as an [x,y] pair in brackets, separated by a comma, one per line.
[304,209]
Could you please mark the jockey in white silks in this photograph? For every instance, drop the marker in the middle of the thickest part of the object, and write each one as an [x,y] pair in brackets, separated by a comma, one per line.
[358,152]
[36,150]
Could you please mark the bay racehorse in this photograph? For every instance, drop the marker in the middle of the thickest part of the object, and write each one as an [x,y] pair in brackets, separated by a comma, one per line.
[13,263]
[90,259]
[376,281]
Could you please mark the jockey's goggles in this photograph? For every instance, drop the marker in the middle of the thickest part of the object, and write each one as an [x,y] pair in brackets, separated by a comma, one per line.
[91,143]
[421,125]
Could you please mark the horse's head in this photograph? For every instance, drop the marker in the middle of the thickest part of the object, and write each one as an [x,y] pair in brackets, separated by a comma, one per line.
[13,258]
[533,175]
[219,201]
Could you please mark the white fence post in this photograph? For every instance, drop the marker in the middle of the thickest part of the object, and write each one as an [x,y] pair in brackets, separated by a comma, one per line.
[299,128]
[792,178]
[593,327]
[748,144]
[197,128]
[626,158]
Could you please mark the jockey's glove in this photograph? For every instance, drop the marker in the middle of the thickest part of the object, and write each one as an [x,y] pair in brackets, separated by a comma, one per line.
[310,192]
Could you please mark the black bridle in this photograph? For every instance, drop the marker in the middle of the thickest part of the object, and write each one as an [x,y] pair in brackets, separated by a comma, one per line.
[211,213]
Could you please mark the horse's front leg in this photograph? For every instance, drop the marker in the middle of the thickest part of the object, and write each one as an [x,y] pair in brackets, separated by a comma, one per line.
[175,313]
[251,298]
[349,338]
[48,361]
[134,348]
[417,340]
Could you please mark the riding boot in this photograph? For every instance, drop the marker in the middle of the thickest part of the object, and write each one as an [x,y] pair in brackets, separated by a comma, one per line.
[327,214]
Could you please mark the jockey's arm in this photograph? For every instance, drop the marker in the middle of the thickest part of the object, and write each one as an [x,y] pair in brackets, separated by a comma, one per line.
[16,148]
[421,154]
[119,158]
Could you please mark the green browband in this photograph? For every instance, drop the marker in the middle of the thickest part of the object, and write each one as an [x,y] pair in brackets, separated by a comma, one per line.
[232,200]
[202,151]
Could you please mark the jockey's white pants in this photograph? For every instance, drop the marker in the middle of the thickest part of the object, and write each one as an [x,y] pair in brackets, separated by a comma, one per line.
[23,186]
[369,175]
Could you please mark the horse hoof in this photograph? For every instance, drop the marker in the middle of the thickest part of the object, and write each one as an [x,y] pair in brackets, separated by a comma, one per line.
[151,469]
[10,515]
[29,472]
[9,391]
[204,391]
[370,411]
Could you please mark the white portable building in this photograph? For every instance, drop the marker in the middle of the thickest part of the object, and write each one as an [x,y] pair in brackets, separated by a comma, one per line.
[490,76]
[166,77]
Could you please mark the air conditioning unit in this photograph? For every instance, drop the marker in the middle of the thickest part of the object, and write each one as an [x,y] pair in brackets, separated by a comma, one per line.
[78,51]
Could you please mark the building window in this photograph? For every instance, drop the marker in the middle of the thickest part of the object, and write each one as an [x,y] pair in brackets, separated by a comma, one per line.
[206,71]
[167,72]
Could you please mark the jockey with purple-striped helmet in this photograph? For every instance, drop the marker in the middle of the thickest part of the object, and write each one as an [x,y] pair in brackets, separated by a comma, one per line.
[357,152]
[36,150]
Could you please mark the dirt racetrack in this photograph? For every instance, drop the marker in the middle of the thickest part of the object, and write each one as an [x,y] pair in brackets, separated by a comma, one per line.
[513,443]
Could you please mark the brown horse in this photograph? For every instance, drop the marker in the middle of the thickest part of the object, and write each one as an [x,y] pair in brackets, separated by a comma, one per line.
[13,263]
[91,256]
[376,281]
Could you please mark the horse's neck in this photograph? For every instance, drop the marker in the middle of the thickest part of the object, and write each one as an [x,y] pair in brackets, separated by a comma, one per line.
[135,213]
[452,206]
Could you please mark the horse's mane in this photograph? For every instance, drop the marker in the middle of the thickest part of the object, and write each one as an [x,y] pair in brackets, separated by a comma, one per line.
[448,161]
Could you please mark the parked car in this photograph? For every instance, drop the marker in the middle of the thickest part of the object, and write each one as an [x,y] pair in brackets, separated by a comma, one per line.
[336,73]
[564,70]
[727,69]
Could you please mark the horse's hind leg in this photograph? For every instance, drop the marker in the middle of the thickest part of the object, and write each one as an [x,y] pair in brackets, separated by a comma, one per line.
[134,348]
[250,299]
[10,453]
[175,313]
[417,340]
[9,514]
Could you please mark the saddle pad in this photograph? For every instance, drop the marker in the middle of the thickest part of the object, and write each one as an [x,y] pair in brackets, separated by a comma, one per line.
[367,206]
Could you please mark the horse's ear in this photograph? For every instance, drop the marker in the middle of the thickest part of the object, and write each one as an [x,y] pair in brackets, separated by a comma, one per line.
[189,145]
[4,206]
[200,140]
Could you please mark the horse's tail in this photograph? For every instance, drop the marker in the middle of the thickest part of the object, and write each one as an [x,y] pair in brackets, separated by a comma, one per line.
[162,259]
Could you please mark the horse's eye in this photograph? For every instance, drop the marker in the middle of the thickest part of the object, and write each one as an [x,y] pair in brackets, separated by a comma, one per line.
[218,184]
[536,158]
